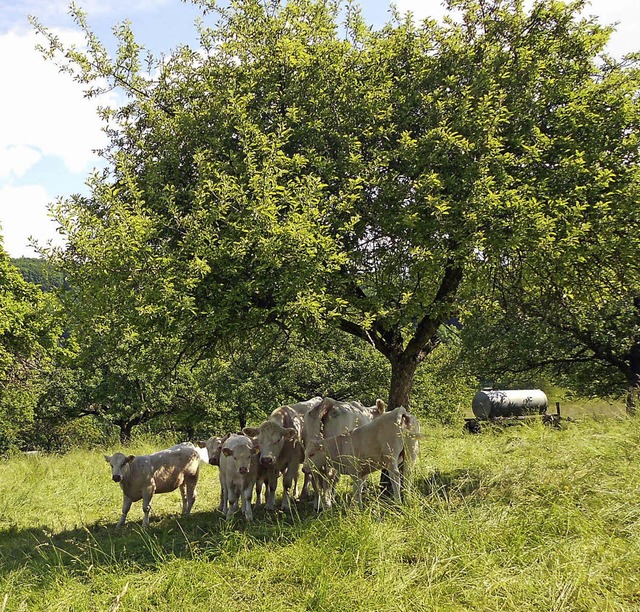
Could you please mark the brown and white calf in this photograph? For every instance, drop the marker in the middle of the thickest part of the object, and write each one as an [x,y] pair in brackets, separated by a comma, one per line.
[377,445]
[238,473]
[142,476]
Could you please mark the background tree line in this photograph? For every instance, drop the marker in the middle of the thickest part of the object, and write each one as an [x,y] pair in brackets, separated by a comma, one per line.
[304,205]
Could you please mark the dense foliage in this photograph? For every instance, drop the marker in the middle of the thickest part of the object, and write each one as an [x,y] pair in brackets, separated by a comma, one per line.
[298,170]
[302,205]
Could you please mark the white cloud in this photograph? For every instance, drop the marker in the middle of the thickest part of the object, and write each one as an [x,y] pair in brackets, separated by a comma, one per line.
[45,121]
[23,214]
[15,160]
[44,110]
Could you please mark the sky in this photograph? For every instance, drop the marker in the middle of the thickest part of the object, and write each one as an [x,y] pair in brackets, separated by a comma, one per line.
[49,132]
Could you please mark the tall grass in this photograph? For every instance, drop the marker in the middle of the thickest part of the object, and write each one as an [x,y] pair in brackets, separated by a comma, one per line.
[525,518]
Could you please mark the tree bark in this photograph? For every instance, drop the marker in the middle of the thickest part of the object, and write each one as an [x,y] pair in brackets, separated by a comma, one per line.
[403,369]
[125,432]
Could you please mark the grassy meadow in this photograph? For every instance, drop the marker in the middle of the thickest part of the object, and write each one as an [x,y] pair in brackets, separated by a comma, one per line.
[523,518]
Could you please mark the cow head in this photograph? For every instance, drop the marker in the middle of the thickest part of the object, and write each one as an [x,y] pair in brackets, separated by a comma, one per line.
[315,458]
[379,409]
[271,439]
[119,465]
[213,446]
[240,453]
[316,418]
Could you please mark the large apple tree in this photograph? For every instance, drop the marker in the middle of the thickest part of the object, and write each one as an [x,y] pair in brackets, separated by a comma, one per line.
[299,168]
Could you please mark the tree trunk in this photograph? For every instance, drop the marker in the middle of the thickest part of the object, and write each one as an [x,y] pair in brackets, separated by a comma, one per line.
[125,432]
[403,369]
[242,418]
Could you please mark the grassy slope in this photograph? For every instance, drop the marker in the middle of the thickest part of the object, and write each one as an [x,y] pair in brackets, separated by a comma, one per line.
[523,519]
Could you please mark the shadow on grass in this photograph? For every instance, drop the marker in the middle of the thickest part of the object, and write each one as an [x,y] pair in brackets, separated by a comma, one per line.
[201,536]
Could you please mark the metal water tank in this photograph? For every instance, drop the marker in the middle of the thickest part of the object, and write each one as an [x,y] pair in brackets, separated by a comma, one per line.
[492,403]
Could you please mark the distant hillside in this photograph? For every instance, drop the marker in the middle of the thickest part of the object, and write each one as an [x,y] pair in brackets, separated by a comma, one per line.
[38,272]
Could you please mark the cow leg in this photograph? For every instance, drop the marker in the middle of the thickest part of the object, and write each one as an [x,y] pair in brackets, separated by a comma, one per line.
[183,494]
[189,494]
[317,485]
[232,501]
[147,494]
[294,489]
[325,484]
[333,478]
[126,506]
[288,479]
[222,506]
[325,500]
[259,484]
[396,479]
[271,494]
[306,486]
[246,502]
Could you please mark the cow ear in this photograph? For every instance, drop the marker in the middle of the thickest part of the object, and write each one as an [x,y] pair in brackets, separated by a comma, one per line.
[129,459]
[201,444]
[290,433]
[107,458]
[252,432]
[255,450]
[325,408]
[226,451]
[381,406]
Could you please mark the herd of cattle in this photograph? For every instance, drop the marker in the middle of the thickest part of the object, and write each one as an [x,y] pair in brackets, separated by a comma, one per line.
[328,438]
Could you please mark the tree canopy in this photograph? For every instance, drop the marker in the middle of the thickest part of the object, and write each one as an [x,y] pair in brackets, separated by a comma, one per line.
[301,169]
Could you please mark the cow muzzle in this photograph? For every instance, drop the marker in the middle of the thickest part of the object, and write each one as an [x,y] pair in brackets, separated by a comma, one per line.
[116,478]
[214,461]
[243,470]
[266,461]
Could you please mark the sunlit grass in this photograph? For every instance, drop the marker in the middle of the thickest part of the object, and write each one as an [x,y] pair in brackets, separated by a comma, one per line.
[525,518]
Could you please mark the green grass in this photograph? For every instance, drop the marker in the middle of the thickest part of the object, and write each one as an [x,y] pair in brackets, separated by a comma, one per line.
[525,518]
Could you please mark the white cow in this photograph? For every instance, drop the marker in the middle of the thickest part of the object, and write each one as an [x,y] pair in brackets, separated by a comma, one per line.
[213,447]
[379,444]
[294,415]
[238,472]
[331,418]
[142,476]
[303,408]
[280,452]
